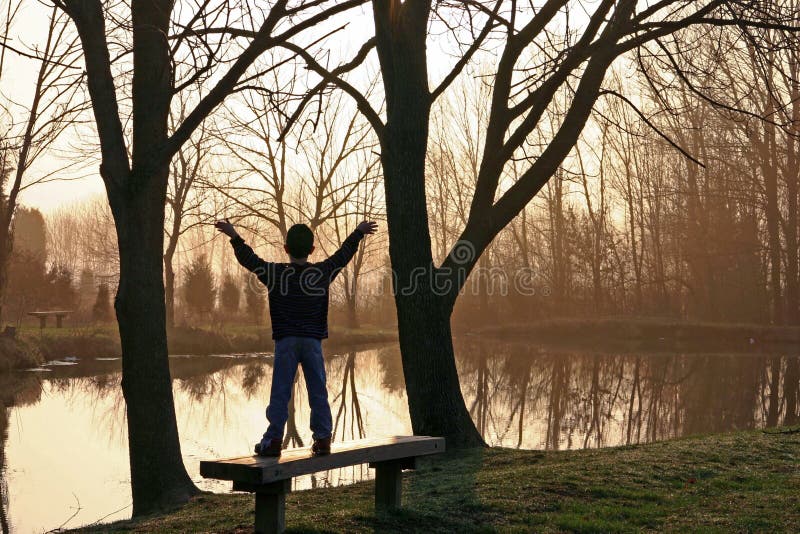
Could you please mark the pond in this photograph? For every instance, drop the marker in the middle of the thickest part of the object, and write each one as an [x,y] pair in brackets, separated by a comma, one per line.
[63,460]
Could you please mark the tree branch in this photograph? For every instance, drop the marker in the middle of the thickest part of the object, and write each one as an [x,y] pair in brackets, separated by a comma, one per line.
[649,123]
[88,18]
[329,77]
[473,48]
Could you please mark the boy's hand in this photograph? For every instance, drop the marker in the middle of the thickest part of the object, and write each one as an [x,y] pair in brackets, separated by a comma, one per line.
[226,228]
[368,227]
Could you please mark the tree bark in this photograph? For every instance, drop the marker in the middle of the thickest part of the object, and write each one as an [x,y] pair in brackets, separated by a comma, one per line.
[773,231]
[169,286]
[5,258]
[435,402]
[137,188]
[158,477]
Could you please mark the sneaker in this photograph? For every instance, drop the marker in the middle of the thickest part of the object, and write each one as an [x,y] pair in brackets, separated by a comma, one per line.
[321,447]
[268,447]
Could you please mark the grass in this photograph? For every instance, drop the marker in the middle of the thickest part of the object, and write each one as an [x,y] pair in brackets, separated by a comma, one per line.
[743,481]
[18,354]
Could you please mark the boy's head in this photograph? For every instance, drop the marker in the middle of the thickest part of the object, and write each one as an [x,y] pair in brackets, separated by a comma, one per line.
[299,241]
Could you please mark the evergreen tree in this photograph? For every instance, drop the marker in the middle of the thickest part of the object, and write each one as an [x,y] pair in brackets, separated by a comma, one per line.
[229,295]
[255,301]
[102,312]
[61,293]
[198,286]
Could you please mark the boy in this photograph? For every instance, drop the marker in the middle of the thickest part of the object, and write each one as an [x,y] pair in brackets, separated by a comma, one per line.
[298,307]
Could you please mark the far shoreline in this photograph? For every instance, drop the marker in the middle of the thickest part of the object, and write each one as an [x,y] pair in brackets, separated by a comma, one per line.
[32,347]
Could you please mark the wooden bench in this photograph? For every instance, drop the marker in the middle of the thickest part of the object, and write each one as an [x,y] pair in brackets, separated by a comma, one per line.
[42,315]
[270,478]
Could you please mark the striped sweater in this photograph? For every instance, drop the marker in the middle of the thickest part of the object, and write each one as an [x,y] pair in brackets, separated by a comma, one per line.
[298,294]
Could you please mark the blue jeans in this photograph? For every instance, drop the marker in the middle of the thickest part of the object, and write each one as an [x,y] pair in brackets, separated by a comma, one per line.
[289,352]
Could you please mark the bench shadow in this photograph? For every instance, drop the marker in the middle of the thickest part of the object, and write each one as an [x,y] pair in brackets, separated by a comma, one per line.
[439,496]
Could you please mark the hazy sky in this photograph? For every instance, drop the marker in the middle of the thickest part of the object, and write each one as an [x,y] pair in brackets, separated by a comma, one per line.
[19,76]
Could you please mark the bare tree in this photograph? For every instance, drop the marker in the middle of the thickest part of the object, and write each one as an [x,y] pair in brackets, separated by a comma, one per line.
[573,61]
[185,203]
[174,46]
[55,104]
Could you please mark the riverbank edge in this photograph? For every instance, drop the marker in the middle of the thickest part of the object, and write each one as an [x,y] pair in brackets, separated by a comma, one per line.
[610,334]
[648,335]
[740,481]
[32,349]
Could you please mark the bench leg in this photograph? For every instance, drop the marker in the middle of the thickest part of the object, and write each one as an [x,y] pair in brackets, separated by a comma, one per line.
[270,513]
[42,322]
[388,487]
[59,322]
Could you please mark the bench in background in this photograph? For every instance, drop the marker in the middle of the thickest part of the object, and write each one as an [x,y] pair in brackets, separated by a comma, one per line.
[43,315]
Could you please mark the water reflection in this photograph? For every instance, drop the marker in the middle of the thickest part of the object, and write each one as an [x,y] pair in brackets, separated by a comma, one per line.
[533,398]
[4,527]
[67,425]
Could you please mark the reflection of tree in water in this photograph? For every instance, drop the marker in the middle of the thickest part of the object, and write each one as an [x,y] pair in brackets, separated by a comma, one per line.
[252,377]
[792,390]
[557,406]
[292,437]
[391,365]
[4,527]
[518,372]
[607,399]
[356,420]
[723,394]
[634,420]
[479,409]
[599,393]
[91,390]
[15,390]
[784,388]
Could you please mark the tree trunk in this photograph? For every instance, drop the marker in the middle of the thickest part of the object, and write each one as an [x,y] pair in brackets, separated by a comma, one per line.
[792,177]
[352,314]
[792,289]
[791,389]
[169,281]
[158,477]
[435,402]
[351,299]
[169,292]
[771,190]
[5,259]
[766,153]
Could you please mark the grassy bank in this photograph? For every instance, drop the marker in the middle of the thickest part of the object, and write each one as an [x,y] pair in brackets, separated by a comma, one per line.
[745,481]
[18,354]
[649,334]
[33,346]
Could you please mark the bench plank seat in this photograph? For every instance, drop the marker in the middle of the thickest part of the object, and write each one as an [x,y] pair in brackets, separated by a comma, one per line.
[270,478]
[296,462]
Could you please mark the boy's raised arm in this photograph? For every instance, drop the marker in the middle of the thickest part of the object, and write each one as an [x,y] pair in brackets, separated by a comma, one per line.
[341,257]
[244,253]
